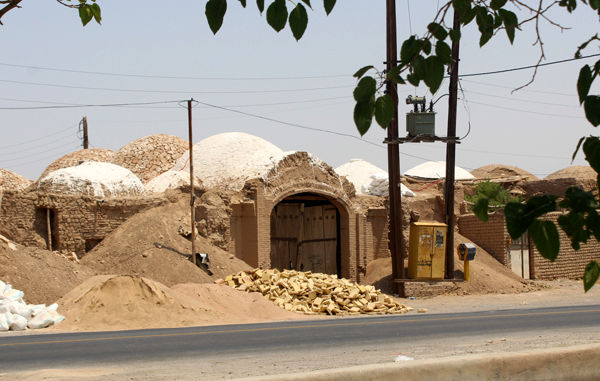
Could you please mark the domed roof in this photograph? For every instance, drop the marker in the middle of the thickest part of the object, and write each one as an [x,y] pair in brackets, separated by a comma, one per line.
[94,179]
[437,170]
[12,181]
[75,158]
[500,170]
[368,178]
[229,159]
[150,156]
[575,172]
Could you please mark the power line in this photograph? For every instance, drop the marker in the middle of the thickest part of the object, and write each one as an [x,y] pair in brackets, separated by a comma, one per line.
[527,111]
[526,67]
[513,87]
[171,91]
[86,105]
[175,76]
[38,138]
[520,99]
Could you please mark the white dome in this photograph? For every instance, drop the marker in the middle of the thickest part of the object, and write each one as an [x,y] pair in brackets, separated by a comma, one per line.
[368,178]
[93,178]
[230,159]
[169,180]
[437,170]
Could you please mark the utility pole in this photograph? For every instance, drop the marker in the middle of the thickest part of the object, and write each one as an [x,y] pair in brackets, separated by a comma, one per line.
[192,195]
[451,152]
[85,133]
[395,197]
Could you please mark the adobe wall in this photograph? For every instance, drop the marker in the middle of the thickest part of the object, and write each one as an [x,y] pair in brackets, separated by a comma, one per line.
[491,235]
[570,263]
[75,219]
[557,187]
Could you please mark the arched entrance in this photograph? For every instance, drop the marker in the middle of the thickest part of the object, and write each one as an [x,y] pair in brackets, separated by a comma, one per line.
[305,234]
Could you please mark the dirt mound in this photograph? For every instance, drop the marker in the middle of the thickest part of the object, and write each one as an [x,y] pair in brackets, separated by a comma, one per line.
[488,276]
[149,244]
[43,275]
[580,172]
[114,302]
[150,156]
[11,181]
[493,171]
[75,158]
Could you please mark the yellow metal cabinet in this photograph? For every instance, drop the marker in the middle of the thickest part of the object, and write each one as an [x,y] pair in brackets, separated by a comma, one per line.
[426,250]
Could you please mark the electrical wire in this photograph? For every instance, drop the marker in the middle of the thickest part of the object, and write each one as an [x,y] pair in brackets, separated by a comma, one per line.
[171,91]
[174,76]
[37,139]
[53,149]
[524,90]
[467,109]
[528,111]
[521,100]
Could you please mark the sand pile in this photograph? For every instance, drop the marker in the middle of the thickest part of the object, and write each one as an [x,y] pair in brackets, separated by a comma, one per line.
[12,181]
[368,178]
[579,172]
[494,171]
[437,170]
[75,158]
[314,293]
[149,244]
[43,275]
[488,276]
[114,302]
[94,179]
[228,160]
[150,156]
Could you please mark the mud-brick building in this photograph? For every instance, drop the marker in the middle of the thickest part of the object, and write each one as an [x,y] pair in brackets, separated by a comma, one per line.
[290,209]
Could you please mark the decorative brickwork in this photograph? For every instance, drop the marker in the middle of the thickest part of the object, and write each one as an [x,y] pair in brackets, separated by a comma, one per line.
[150,156]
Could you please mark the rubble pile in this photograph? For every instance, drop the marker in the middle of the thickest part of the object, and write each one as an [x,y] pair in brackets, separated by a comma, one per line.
[314,293]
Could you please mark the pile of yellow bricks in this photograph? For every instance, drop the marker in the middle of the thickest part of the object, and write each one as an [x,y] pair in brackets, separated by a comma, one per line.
[314,293]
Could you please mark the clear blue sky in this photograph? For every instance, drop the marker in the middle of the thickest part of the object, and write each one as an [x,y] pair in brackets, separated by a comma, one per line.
[535,129]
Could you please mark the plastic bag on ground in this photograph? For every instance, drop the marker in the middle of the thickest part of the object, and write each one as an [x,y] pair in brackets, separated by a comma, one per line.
[19,323]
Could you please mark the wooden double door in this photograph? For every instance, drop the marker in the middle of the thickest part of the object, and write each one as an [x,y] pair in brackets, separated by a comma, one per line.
[304,236]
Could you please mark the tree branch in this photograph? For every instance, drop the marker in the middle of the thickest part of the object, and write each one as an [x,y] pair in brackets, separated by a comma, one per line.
[10,4]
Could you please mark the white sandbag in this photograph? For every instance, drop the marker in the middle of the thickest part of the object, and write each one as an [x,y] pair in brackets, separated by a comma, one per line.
[37,308]
[19,323]
[24,310]
[41,320]
[14,294]
[2,287]
[52,307]
[56,317]
[4,307]
[4,323]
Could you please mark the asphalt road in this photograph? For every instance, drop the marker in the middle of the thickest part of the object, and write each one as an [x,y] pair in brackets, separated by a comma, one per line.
[31,352]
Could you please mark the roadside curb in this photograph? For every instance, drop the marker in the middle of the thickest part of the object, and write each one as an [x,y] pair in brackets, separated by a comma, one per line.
[576,363]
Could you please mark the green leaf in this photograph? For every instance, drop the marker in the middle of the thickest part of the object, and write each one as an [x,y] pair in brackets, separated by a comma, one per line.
[307,2]
[461,6]
[481,209]
[384,110]
[328,5]
[97,12]
[277,15]
[454,35]
[426,47]
[443,51]
[485,37]
[434,73]
[363,115]
[243,2]
[413,79]
[394,75]
[215,11]
[584,82]
[362,71]
[545,237]
[511,21]
[497,4]
[410,48]
[365,89]
[591,149]
[85,14]
[261,5]
[520,216]
[590,276]
[298,21]
[592,109]
[438,31]
[577,148]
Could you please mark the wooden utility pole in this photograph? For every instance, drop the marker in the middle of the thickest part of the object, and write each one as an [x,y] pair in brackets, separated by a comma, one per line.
[85,133]
[192,195]
[395,196]
[451,152]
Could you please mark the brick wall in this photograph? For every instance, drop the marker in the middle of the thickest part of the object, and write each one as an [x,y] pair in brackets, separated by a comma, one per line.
[570,263]
[491,235]
[75,220]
